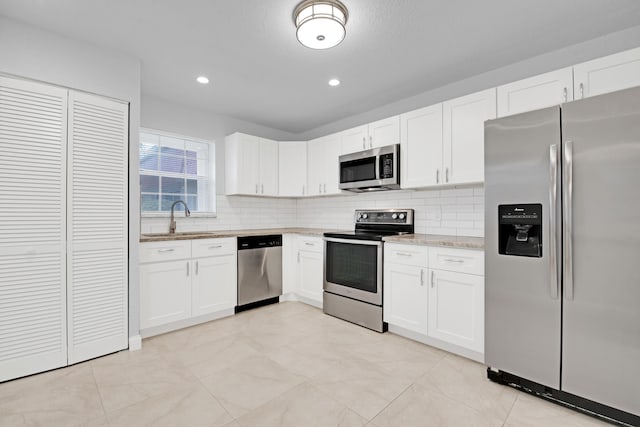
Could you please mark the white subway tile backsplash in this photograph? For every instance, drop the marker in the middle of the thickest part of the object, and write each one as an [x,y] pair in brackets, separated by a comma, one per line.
[454,211]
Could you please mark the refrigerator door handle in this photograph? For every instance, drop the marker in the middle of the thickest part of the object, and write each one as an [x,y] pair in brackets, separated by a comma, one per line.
[554,283]
[567,202]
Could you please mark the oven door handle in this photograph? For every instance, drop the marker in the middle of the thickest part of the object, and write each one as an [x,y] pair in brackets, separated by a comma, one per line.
[354,241]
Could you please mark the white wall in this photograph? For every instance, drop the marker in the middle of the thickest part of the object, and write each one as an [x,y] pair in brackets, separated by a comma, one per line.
[36,54]
[454,211]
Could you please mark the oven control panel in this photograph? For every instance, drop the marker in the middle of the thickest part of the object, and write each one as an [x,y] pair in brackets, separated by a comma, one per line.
[384,216]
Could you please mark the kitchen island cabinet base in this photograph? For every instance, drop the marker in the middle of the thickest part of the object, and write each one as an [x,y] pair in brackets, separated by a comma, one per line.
[434,342]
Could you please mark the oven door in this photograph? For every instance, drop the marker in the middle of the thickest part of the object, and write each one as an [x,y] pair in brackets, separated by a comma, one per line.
[353,268]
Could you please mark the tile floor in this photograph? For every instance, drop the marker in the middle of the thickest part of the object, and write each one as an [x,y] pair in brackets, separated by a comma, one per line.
[282,365]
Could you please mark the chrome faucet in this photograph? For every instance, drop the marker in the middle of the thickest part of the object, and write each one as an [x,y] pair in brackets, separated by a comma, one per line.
[172,224]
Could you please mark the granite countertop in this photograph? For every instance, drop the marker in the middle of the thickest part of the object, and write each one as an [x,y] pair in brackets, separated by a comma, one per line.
[410,239]
[190,235]
[462,242]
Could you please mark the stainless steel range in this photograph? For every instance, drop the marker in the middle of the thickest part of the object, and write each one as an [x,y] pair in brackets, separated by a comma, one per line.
[353,266]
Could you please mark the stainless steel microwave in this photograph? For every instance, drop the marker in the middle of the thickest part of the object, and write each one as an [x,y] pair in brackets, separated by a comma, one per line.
[371,170]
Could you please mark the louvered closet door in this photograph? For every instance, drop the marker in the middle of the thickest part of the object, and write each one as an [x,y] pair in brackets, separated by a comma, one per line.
[33,126]
[97,226]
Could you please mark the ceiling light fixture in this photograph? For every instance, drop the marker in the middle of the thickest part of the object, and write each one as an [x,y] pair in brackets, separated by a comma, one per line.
[320,24]
[202,80]
[334,82]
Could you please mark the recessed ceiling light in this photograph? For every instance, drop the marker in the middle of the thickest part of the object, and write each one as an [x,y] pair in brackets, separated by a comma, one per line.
[203,80]
[334,82]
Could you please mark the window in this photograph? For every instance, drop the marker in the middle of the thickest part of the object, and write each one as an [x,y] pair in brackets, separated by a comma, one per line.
[176,168]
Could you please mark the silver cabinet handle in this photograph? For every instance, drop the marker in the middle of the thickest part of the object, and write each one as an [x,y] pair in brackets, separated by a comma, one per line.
[196,268]
[364,143]
[404,254]
[565,94]
[298,257]
[370,141]
[438,176]
[215,247]
[324,186]
[567,194]
[581,90]
[433,280]
[319,188]
[421,277]
[262,188]
[187,268]
[166,250]
[554,283]
[309,244]
[459,261]
[446,174]
[256,188]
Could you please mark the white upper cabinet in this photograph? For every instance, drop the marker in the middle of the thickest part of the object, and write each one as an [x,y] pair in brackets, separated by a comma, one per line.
[544,90]
[376,134]
[292,170]
[421,147]
[268,167]
[251,165]
[463,134]
[323,166]
[608,74]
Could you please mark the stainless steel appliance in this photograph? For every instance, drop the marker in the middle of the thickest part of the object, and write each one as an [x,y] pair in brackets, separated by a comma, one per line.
[562,251]
[259,270]
[353,266]
[371,170]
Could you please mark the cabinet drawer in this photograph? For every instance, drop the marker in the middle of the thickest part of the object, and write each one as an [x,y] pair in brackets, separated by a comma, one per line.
[310,244]
[165,251]
[406,254]
[459,260]
[213,247]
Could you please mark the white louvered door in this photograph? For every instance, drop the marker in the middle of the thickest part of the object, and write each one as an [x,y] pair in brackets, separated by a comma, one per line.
[33,138]
[97,232]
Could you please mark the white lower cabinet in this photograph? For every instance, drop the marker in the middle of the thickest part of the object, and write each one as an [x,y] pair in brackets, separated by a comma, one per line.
[441,306]
[165,293]
[456,309]
[175,287]
[310,264]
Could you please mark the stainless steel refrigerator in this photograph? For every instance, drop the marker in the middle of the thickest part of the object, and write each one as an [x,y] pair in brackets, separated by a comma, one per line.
[562,253]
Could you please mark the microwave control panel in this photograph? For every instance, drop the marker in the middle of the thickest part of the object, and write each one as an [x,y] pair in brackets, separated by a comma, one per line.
[386,166]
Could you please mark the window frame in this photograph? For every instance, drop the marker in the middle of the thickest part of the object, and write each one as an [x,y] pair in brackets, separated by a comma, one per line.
[212,202]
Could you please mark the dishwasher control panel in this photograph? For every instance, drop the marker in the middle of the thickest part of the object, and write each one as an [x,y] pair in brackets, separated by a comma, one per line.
[256,242]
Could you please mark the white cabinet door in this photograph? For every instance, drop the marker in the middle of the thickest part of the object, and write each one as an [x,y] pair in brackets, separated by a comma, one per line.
[242,164]
[406,297]
[331,164]
[464,136]
[421,147]
[456,309]
[356,139]
[608,74]
[165,292]
[214,284]
[292,170]
[384,132]
[544,90]
[97,232]
[310,266]
[33,141]
[268,167]
[323,165]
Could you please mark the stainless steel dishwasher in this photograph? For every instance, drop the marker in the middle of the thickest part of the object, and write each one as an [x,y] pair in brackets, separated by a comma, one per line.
[259,270]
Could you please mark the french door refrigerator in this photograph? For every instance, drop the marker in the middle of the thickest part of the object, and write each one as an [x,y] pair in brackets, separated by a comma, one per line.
[562,251]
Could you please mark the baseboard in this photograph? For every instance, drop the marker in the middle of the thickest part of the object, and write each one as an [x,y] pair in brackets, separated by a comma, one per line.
[135,343]
[310,301]
[451,348]
[180,324]
[289,297]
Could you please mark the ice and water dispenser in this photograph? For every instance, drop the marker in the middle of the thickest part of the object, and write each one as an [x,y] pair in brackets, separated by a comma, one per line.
[520,230]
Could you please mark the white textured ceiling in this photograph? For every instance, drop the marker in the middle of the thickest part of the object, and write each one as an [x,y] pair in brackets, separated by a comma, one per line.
[260,73]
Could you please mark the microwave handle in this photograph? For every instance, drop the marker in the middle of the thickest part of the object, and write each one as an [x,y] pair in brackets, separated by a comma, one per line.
[378,160]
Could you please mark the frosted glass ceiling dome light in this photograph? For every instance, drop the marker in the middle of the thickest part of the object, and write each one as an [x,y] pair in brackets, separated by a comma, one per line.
[320,24]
